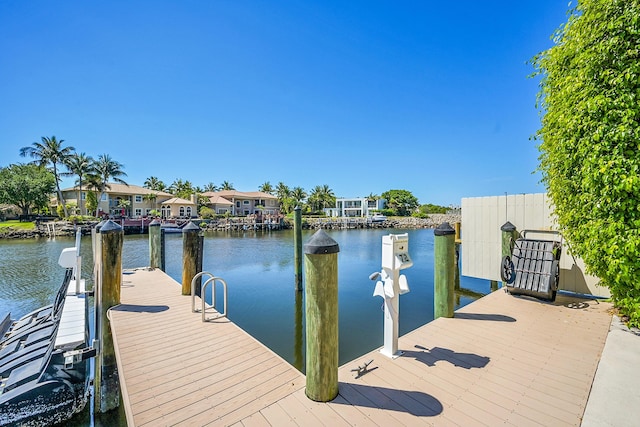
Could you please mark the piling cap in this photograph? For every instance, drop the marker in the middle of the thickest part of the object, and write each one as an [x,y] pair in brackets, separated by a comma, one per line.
[110,227]
[507,226]
[444,229]
[100,224]
[321,243]
[155,223]
[191,227]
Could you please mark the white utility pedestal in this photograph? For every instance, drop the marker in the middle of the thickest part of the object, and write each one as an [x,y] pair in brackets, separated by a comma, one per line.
[392,284]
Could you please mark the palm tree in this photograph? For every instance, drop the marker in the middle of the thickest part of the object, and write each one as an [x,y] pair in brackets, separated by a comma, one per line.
[266,188]
[151,197]
[298,195]
[80,165]
[210,187]
[182,189]
[226,185]
[50,151]
[282,191]
[321,197]
[153,183]
[107,169]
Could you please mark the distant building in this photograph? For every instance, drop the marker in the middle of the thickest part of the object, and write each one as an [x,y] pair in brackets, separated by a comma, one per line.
[357,207]
[240,203]
[140,201]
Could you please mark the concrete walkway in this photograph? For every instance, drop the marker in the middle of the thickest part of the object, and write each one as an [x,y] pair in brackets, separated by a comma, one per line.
[614,400]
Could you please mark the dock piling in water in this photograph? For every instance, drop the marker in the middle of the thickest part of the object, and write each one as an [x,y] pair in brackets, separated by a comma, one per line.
[444,270]
[321,310]
[155,242]
[107,387]
[190,255]
[297,243]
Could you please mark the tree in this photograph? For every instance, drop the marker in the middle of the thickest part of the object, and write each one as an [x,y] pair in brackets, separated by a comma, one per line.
[92,202]
[210,187]
[154,183]
[589,136]
[26,186]
[401,202]
[106,169]
[299,195]
[226,185]
[50,151]
[80,165]
[282,191]
[321,197]
[266,188]
[182,189]
[151,197]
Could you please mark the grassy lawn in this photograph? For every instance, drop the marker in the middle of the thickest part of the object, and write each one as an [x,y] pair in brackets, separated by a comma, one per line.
[14,223]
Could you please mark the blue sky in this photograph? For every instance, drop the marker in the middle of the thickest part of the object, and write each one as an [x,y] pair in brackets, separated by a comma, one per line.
[363,96]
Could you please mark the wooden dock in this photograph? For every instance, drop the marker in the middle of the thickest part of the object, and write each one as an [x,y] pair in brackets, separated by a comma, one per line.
[503,360]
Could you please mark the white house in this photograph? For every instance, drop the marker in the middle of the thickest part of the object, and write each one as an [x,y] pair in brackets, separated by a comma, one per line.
[356,207]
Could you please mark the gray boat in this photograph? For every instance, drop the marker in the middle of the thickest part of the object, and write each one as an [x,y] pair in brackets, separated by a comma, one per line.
[43,379]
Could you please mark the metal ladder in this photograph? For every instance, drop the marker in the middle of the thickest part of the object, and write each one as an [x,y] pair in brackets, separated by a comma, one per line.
[211,281]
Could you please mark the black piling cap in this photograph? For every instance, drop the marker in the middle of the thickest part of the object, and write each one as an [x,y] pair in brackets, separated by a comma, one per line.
[321,243]
[191,227]
[100,224]
[155,223]
[507,226]
[444,229]
[110,227]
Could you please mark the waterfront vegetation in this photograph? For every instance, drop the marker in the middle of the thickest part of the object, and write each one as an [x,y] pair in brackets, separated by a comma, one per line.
[589,141]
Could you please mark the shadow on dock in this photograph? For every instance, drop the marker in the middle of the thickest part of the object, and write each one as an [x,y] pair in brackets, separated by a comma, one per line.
[461,360]
[133,308]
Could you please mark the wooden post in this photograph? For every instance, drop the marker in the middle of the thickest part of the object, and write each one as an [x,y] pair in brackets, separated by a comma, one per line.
[509,235]
[298,355]
[321,310]
[444,270]
[107,387]
[297,244]
[155,255]
[163,264]
[190,246]
[458,242]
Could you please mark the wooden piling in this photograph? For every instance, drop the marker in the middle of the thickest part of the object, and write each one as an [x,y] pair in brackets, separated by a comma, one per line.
[190,249]
[155,255]
[107,387]
[321,310]
[297,244]
[444,270]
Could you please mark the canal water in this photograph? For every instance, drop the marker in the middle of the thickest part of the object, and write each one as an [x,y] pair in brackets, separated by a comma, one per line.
[259,270]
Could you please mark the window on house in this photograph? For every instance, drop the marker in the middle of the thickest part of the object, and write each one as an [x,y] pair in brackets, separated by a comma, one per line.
[104,197]
[138,198]
[246,202]
[181,210]
[238,204]
[83,196]
[189,211]
[146,211]
[138,212]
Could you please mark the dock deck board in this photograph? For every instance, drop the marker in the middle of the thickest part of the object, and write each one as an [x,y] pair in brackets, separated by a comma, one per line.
[501,360]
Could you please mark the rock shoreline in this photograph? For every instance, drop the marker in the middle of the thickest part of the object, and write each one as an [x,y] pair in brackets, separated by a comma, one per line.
[65,228]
